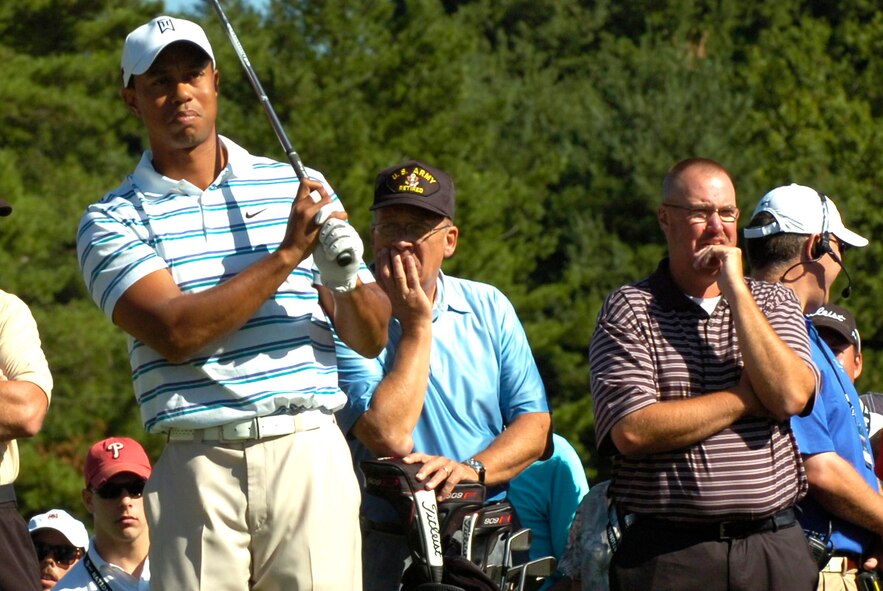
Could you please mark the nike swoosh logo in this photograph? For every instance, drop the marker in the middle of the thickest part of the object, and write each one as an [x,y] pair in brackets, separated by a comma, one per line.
[251,214]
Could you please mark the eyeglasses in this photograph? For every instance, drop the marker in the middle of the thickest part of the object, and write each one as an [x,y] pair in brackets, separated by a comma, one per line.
[63,554]
[410,232]
[702,215]
[113,490]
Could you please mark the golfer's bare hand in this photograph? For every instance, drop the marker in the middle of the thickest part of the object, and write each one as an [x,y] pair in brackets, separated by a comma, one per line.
[439,473]
[398,274]
[302,232]
[723,262]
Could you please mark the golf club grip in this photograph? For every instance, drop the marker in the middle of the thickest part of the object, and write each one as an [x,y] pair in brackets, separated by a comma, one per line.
[344,258]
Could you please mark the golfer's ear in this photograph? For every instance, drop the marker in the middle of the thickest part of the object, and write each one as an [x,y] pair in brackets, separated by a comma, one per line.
[451,235]
[128,95]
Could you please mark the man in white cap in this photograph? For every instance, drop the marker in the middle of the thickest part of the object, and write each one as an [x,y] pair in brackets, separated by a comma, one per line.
[60,541]
[796,237]
[25,391]
[116,470]
[211,259]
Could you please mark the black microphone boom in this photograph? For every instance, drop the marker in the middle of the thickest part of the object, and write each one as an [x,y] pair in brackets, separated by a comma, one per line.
[847,291]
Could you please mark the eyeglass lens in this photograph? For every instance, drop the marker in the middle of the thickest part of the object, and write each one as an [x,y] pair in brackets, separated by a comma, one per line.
[703,214]
[409,232]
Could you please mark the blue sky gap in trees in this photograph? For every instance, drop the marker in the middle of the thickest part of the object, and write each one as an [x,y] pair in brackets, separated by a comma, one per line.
[182,6]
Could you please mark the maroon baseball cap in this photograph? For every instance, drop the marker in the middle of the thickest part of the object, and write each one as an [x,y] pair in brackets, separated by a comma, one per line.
[113,456]
[5,208]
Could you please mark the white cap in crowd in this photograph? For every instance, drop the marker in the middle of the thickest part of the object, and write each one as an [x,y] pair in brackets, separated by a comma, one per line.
[61,521]
[798,209]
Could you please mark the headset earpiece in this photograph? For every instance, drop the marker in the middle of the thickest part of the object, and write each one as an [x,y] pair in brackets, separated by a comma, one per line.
[821,246]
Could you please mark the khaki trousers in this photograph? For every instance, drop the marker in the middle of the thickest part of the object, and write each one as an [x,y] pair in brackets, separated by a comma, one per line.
[278,514]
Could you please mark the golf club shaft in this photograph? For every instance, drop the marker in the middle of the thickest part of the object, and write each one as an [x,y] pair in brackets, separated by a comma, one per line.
[345,257]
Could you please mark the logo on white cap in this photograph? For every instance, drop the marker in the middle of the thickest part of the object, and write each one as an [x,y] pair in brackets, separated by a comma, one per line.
[145,43]
[165,24]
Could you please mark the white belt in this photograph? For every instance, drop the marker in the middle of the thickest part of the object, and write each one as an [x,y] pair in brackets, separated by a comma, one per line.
[256,428]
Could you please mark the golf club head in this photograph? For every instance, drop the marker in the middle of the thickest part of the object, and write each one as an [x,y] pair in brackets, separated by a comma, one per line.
[511,578]
[497,558]
[534,572]
[467,497]
[396,482]
[518,542]
[430,533]
[494,572]
[488,523]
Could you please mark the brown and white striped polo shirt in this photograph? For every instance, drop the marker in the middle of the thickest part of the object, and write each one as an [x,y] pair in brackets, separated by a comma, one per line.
[651,344]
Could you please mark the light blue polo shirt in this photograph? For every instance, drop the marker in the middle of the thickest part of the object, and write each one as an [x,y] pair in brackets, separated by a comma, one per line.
[482,373]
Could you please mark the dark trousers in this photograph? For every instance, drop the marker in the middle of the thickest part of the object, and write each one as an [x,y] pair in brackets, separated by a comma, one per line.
[683,560]
[19,570]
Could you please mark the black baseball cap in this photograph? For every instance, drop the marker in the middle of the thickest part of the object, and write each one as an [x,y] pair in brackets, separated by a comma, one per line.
[840,320]
[5,208]
[415,183]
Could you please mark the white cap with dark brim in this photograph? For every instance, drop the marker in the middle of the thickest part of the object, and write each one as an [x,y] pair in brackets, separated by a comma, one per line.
[61,521]
[147,41]
[798,209]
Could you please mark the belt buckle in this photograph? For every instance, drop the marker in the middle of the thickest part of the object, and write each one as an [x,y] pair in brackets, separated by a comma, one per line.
[240,431]
[722,532]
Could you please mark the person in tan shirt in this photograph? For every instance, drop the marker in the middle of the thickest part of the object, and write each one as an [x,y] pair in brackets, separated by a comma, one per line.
[25,390]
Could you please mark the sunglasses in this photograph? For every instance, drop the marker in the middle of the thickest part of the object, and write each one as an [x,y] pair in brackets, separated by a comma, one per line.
[113,490]
[64,554]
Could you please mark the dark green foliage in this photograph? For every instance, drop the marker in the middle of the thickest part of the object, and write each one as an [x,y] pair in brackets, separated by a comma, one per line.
[556,118]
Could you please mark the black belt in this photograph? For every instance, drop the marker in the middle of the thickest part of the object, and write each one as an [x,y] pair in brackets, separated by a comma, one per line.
[7,493]
[723,530]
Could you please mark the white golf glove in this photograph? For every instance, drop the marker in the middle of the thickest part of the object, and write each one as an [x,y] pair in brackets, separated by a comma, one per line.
[337,236]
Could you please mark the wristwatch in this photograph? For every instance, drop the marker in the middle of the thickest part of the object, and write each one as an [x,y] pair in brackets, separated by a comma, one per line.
[477,466]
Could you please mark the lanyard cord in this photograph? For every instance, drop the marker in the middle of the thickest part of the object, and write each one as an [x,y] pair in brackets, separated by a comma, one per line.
[835,363]
[96,577]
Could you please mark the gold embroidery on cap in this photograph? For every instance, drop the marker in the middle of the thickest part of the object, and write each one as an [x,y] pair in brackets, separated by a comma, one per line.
[415,182]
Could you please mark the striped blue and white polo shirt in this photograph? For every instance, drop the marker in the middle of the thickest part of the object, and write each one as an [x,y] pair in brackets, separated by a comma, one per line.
[282,357]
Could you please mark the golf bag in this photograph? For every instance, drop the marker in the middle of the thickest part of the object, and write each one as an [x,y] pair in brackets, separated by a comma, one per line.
[460,544]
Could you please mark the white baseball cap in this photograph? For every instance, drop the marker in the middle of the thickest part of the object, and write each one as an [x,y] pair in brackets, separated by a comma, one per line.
[61,521]
[802,210]
[147,41]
